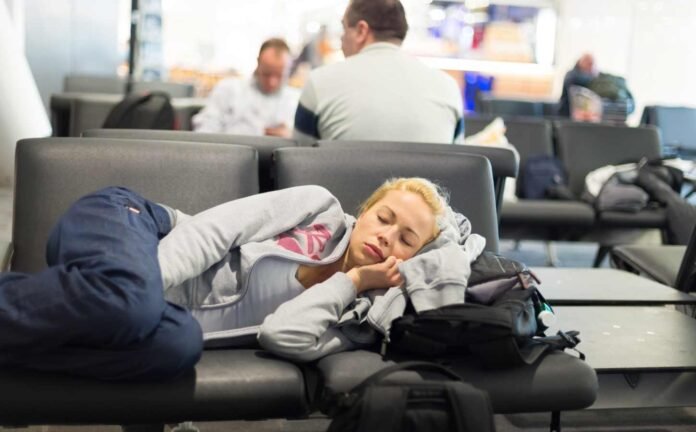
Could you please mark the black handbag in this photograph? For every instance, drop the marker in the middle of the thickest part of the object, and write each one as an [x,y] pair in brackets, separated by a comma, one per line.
[428,405]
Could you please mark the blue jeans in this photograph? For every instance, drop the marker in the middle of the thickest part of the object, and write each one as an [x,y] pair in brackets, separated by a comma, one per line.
[98,310]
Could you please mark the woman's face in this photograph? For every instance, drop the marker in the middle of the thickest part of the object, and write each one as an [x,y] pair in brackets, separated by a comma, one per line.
[398,225]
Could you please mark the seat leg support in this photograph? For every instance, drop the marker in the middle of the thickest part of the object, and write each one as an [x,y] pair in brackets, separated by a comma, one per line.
[555,421]
[143,428]
[601,254]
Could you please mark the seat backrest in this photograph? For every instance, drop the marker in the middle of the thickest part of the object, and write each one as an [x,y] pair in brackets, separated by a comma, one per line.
[353,175]
[511,107]
[503,161]
[173,89]
[676,124]
[51,173]
[530,136]
[263,145]
[94,84]
[583,147]
[87,113]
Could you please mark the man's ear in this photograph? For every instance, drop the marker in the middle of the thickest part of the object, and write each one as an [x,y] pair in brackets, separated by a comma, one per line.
[363,30]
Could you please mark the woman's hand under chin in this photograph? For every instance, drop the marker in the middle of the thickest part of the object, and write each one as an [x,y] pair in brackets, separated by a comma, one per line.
[375,276]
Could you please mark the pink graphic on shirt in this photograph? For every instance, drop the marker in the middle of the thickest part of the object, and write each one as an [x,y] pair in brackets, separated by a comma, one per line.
[303,240]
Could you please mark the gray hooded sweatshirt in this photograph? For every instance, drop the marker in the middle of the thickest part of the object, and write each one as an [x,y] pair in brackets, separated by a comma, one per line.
[206,261]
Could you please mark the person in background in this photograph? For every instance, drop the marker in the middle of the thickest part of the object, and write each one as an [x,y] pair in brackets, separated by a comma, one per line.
[584,71]
[378,92]
[262,105]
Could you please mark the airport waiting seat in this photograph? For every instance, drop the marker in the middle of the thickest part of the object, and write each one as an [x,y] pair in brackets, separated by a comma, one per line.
[74,113]
[52,173]
[535,218]
[352,175]
[94,84]
[510,107]
[558,382]
[117,85]
[243,384]
[677,126]
[173,89]
[583,147]
[673,266]
[88,113]
[530,136]
[503,161]
[239,384]
[263,145]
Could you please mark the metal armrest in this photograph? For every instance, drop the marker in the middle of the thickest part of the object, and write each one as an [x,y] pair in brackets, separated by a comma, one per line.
[5,255]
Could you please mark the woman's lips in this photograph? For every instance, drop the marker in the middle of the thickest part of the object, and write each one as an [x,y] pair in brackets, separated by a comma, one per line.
[373,251]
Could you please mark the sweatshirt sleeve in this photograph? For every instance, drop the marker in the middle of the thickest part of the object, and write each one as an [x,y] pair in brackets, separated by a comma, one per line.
[204,239]
[303,329]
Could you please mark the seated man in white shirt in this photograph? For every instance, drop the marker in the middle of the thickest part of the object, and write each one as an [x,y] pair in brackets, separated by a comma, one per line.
[260,105]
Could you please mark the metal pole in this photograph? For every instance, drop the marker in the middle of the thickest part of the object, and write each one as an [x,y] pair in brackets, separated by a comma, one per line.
[135,17]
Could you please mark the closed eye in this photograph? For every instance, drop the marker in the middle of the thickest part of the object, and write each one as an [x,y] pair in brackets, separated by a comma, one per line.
[406,242]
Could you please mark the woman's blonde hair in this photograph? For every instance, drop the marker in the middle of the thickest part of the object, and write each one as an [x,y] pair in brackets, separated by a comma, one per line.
[434,196]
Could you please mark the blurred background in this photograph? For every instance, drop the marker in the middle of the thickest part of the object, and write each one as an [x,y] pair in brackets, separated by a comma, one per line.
[525,46]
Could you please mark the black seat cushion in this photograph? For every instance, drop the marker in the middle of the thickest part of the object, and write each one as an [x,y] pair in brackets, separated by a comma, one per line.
[558,382]
[547,213]
[659,262]
[651,218]
[226,385]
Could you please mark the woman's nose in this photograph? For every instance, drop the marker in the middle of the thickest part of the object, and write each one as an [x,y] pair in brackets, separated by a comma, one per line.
[386,236]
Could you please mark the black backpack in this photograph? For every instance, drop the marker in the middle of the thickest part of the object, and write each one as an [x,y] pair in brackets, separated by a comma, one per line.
[428,405]
[153,110]
[505,329]
[540,176]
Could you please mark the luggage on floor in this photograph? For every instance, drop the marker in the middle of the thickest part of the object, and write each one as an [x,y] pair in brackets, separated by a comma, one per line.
[378,405]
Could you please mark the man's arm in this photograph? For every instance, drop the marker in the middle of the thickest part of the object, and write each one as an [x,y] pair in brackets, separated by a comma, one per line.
[306,117]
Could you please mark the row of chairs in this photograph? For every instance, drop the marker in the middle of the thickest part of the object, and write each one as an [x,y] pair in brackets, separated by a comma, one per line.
[117,85]
[581,148]
[245,384]
[73,113]
[677,125]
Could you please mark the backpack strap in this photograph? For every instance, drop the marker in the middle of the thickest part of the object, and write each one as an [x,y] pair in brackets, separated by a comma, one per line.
[564,340]
[409,365]
[507,348]
[383,408]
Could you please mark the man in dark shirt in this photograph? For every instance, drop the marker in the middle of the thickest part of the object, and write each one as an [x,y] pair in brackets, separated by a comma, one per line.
[581,75]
